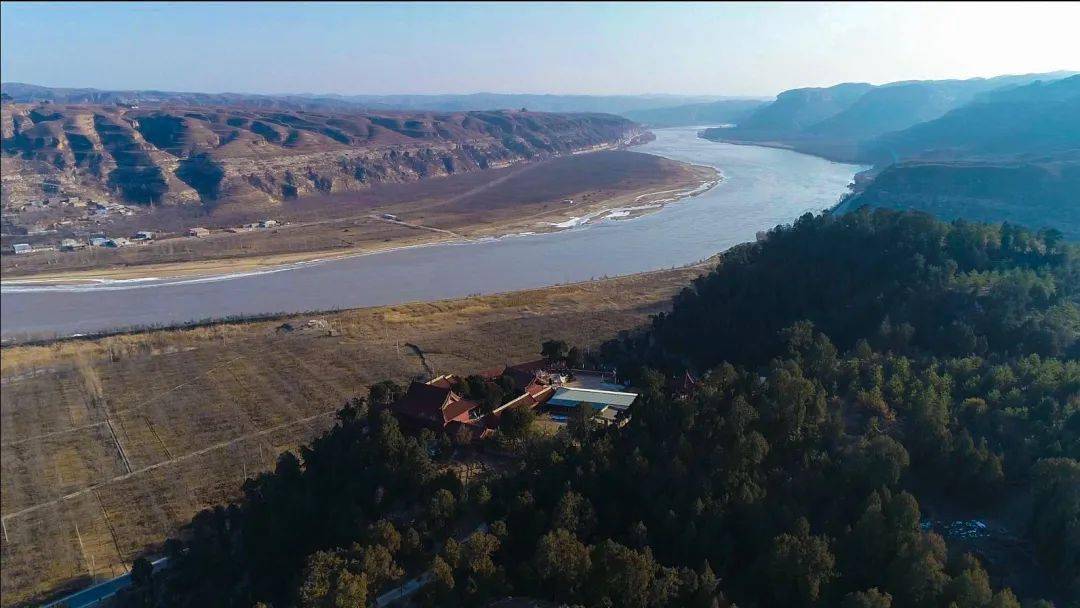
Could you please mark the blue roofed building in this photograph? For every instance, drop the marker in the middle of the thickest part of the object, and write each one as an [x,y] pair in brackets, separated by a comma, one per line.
[610,406]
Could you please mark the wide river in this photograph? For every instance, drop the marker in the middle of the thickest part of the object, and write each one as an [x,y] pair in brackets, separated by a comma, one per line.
[762,187]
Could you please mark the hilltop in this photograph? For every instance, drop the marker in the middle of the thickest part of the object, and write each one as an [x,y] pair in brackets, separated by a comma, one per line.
[913,447]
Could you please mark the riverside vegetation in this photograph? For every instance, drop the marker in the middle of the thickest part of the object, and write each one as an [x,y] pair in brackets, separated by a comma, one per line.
[856,373]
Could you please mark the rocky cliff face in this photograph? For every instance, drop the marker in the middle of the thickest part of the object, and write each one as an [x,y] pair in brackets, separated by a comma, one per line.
[193,155]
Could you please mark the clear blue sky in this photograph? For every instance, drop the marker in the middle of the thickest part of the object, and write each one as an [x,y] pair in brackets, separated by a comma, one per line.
[723,49]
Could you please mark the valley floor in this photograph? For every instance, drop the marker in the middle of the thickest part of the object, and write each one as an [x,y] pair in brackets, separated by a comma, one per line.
[109,445]
[538,197]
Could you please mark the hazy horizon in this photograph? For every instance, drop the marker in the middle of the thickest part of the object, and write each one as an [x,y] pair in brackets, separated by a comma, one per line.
[732,50]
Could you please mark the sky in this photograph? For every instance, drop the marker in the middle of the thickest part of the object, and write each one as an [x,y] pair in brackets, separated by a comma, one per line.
[736,49]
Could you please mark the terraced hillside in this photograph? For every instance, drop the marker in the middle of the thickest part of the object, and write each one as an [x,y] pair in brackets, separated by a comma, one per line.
[202,155]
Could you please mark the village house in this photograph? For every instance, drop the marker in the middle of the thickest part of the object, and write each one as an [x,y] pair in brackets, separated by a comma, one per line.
[539,373]
[534,396]
[436,406]
[22,248]
[198,232]
[71,244]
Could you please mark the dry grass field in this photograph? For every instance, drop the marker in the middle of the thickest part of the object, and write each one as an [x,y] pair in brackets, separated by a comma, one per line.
[109,445]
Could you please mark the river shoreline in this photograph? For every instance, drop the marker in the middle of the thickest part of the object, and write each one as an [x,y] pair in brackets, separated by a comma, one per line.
[627,206]
[702,265]
[761,188]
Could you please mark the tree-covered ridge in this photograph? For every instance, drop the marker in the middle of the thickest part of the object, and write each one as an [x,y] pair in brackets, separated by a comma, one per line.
[856,373]
[948,289]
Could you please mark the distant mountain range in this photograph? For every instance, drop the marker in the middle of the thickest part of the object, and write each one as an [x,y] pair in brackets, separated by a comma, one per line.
[842,121]
[796,110]
[998,149]
[933,145]
[999,159]
[710,113]
[612,104]
[1032,120]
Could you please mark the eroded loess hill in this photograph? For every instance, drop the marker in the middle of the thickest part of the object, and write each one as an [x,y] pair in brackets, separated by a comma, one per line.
[182,155]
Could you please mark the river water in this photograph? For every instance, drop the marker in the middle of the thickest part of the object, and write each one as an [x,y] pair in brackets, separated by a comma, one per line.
[762,187]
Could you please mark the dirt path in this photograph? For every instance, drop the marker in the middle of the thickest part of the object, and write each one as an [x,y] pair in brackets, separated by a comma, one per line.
[416,226]
[423,359]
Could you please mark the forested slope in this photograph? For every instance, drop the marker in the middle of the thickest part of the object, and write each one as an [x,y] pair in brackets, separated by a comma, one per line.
[855,373]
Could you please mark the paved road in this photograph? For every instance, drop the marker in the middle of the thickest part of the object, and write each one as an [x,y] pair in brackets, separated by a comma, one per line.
[410,587]
[92,596]
[404,590]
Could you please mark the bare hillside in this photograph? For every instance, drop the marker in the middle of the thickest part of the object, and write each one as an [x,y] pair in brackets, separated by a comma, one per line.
[202,155]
